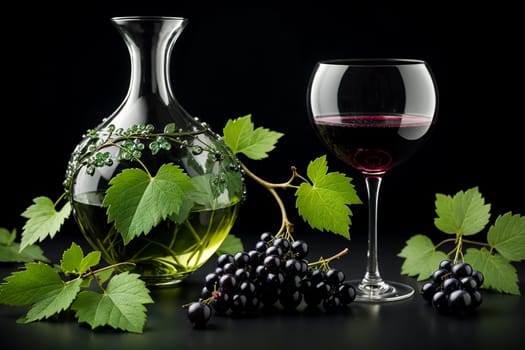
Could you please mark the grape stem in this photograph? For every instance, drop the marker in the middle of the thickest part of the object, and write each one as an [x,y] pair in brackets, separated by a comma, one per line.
[286,225]
[458,245]
[325,262]
[459,249]
[94,272]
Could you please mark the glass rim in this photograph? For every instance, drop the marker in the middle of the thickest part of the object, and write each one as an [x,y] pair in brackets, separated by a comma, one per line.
[372,62]
[147,18]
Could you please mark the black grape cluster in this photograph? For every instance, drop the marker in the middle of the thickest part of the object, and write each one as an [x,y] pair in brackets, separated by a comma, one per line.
[454,288]
[276,273]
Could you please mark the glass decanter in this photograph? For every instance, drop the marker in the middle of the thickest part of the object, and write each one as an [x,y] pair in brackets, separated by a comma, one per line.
[147,131]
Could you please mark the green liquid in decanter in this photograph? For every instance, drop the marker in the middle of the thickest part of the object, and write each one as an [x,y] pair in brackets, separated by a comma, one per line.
[168,253]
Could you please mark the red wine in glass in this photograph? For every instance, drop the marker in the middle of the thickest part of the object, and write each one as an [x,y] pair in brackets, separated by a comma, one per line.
[373,114]
[373,144]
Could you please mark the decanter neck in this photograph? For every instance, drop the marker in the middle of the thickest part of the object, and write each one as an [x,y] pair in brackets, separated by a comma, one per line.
[150,41]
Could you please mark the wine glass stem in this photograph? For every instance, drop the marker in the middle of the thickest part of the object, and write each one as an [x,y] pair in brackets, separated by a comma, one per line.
[372,276]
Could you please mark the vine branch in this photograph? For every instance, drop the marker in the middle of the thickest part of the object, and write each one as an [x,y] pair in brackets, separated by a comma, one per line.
[286,224]
[326,261]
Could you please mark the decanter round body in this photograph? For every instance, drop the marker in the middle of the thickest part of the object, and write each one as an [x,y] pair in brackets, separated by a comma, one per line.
[152,185]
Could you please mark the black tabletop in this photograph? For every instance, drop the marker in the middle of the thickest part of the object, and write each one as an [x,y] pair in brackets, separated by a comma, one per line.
[498,323]
[235,60]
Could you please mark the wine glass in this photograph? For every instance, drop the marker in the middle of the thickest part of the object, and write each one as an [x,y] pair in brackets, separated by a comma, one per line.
[373,114]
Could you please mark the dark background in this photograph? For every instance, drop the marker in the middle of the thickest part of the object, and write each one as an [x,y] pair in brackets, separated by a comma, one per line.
[65,67]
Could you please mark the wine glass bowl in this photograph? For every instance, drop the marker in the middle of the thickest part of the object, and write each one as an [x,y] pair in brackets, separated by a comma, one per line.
[373,114]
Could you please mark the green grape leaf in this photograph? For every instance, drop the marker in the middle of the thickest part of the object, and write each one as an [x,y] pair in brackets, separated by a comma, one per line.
[498,272]
[421,257]
[26,287]
[90,260]
[465,213]
[185,208]
[7,237]
[104,275]
[120,307]
[202,193]
[40,286]
[136,201]
[507,236]
[73,260]
[170,128]
[323,203]
[241,137]
[52,303]
[234,183]
[10,251]
[43,220]
[208,192]
[230,245]
[13,254]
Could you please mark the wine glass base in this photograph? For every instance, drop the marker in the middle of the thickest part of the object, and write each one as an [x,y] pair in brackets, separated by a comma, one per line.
[381,292]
